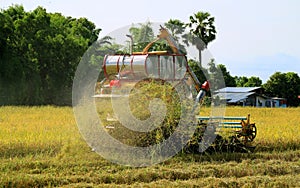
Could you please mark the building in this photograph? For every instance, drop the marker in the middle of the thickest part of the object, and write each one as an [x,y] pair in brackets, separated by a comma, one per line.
[276,102]
[248,96]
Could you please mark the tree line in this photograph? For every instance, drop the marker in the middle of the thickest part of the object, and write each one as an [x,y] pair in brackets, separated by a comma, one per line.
[201,26]
[39,53]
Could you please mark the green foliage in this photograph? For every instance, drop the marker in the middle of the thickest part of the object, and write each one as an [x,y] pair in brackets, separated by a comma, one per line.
[176,27]
[141,36]
[202,25]
[240,80]
[202,31]
[229,80]
[199,71]
[253,82]
[217,75]
[286,85]
[243,81]
[39,55]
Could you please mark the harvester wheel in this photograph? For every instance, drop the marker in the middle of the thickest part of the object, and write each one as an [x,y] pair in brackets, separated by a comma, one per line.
[251,132]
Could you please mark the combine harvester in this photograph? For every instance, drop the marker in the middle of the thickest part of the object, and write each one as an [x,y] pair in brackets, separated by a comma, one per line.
[121,70]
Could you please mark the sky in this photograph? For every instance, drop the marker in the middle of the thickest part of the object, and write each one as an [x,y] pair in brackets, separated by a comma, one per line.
[254,38]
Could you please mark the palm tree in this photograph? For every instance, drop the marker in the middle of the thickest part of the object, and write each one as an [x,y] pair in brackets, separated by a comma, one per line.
[103,46]
[105,40]
[177,28]
[202,31]
[141,35]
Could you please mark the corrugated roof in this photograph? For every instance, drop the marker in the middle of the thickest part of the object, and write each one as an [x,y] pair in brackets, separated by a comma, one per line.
[234,97]
[237,89]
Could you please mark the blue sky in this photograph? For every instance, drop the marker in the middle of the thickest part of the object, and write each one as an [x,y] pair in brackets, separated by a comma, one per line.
[254,38]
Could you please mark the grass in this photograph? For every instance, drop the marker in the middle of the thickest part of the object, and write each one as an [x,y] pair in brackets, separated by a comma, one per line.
[41,147]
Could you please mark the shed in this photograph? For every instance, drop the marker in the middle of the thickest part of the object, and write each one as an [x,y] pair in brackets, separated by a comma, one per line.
[243,96]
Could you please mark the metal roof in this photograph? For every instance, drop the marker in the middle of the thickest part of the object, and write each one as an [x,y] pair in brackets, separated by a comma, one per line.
[234,97]
[237,89]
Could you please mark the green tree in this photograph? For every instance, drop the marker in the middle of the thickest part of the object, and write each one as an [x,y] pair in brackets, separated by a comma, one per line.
[177,29]
[40,54]
[199,72]
[253,82]
[240,81]
[216,75]
[202,30]
[286,85]
[219,74]
[293,89]
[229,80]
[243,81]
[141,35]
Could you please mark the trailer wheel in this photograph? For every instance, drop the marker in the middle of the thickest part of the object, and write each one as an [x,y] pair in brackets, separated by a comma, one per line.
[251,132]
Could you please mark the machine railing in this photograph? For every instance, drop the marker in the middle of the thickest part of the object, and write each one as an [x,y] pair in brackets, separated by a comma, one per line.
[246,130]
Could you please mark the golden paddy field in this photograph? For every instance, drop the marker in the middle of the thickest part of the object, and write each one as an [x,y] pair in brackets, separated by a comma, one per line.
[42,147]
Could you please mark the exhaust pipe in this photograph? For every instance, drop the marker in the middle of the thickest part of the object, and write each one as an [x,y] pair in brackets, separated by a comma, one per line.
[131,43]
